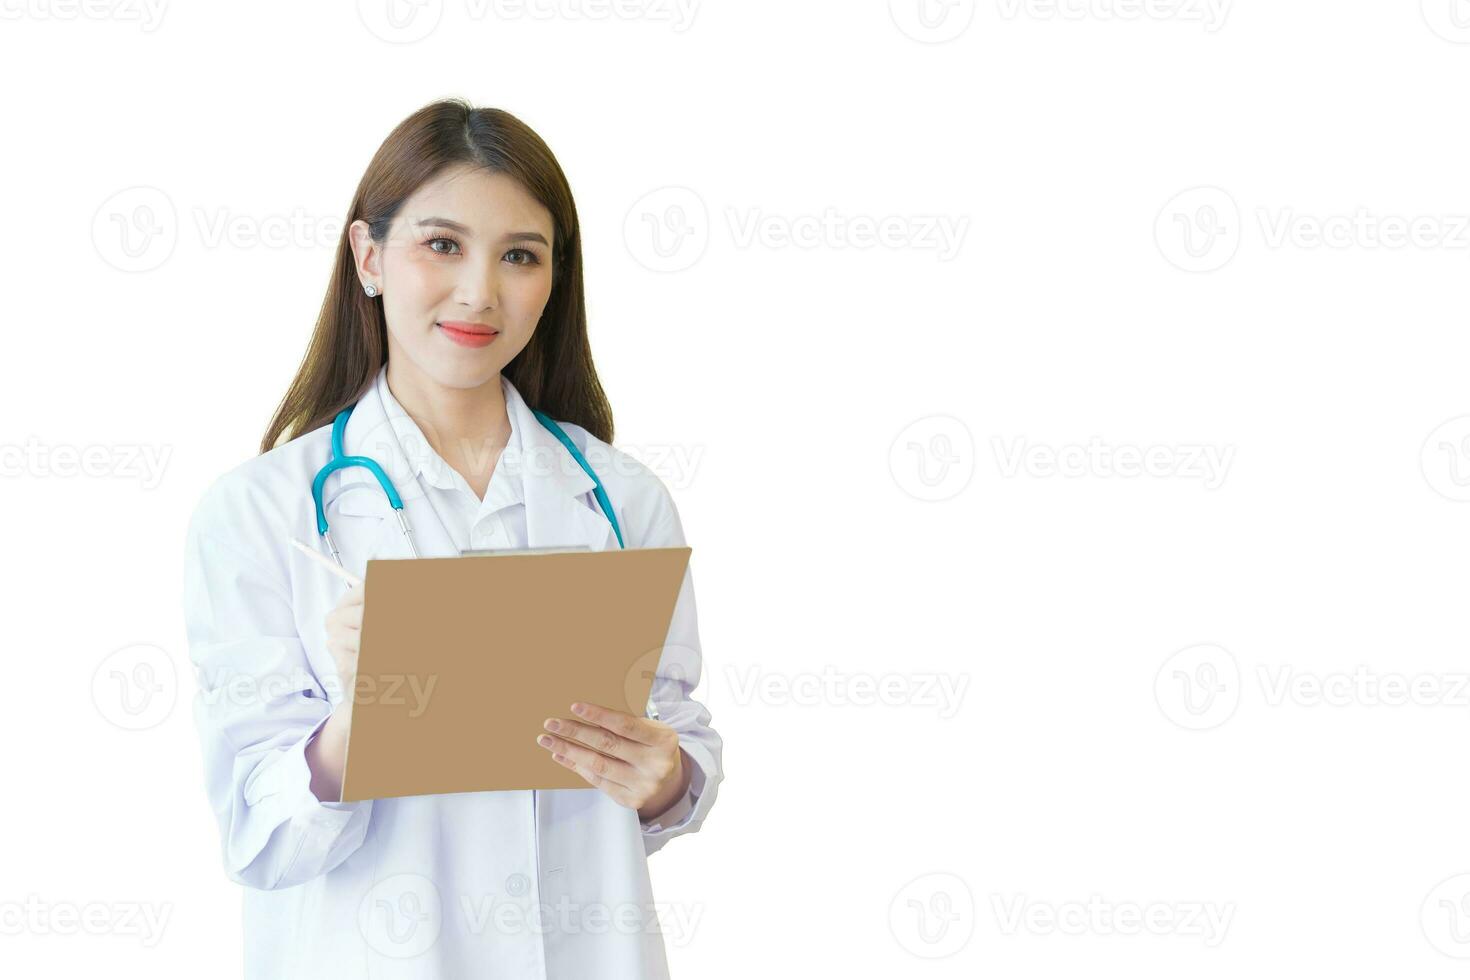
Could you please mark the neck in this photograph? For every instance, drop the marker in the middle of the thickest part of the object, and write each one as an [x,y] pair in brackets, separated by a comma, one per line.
[467,427]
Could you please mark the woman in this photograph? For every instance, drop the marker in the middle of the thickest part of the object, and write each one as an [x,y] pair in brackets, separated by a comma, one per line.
[455,309]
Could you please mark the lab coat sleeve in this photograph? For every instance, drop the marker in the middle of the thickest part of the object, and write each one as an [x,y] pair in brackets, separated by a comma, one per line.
[674,681]
[257,706]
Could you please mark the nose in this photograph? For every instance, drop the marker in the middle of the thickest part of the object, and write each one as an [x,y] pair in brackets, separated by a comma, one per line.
[478,285]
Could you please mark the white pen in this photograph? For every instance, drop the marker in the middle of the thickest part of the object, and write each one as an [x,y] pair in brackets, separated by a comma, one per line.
[320,559]
[650,710]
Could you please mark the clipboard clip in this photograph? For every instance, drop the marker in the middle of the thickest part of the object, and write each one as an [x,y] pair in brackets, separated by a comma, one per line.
[555,550]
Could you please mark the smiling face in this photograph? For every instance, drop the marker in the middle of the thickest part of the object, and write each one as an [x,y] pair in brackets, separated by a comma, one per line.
[468,255]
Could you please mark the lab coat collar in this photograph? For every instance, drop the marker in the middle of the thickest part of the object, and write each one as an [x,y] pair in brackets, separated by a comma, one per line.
[429,466]
[554,486]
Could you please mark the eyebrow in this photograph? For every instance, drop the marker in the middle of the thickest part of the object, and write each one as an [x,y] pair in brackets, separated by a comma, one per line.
[514,236]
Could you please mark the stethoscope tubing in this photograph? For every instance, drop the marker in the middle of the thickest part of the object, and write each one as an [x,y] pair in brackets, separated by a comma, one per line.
[341,461]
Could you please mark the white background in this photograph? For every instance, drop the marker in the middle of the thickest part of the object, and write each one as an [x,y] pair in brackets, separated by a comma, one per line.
[1183,230]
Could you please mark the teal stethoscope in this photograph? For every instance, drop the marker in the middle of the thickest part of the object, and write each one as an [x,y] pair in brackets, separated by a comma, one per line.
[341,461]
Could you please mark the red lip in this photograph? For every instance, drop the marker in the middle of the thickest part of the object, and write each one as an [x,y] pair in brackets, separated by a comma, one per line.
[468,334]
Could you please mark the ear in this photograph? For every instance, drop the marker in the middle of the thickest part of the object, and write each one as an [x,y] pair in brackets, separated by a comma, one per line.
[366,256]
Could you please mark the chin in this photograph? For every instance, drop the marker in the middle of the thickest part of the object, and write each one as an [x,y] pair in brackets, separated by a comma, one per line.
[461,374]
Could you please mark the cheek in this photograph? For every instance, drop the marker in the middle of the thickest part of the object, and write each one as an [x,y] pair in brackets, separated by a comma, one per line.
[423,278]
[527,296]
[414,287]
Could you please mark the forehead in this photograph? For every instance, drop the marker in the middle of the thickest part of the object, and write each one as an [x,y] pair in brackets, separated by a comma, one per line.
[489,203]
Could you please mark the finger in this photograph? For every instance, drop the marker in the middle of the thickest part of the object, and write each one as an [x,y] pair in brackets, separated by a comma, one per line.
[345,619]
[619,794]
[594,767]
[597,738]
[642,730]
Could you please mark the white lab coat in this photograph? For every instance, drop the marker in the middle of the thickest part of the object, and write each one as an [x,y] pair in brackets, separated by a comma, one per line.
[525,884]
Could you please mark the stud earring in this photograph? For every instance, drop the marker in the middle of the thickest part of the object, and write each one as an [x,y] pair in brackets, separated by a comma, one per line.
[370,289]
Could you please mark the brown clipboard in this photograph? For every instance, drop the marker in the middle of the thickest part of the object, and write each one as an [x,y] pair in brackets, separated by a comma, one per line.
[462,659]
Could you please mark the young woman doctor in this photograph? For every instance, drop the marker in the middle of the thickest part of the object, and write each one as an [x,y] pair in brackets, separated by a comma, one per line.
[455,313]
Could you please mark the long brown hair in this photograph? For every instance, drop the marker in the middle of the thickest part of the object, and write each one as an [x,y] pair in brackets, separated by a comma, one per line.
[553,373]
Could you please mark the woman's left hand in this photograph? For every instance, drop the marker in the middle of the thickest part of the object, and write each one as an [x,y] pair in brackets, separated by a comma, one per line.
[636,761]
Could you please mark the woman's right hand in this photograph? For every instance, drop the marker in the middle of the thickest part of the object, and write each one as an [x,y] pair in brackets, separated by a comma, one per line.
[344,637]
[326,754]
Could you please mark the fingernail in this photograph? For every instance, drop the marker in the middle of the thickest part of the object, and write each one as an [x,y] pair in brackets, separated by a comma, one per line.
[543,740]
